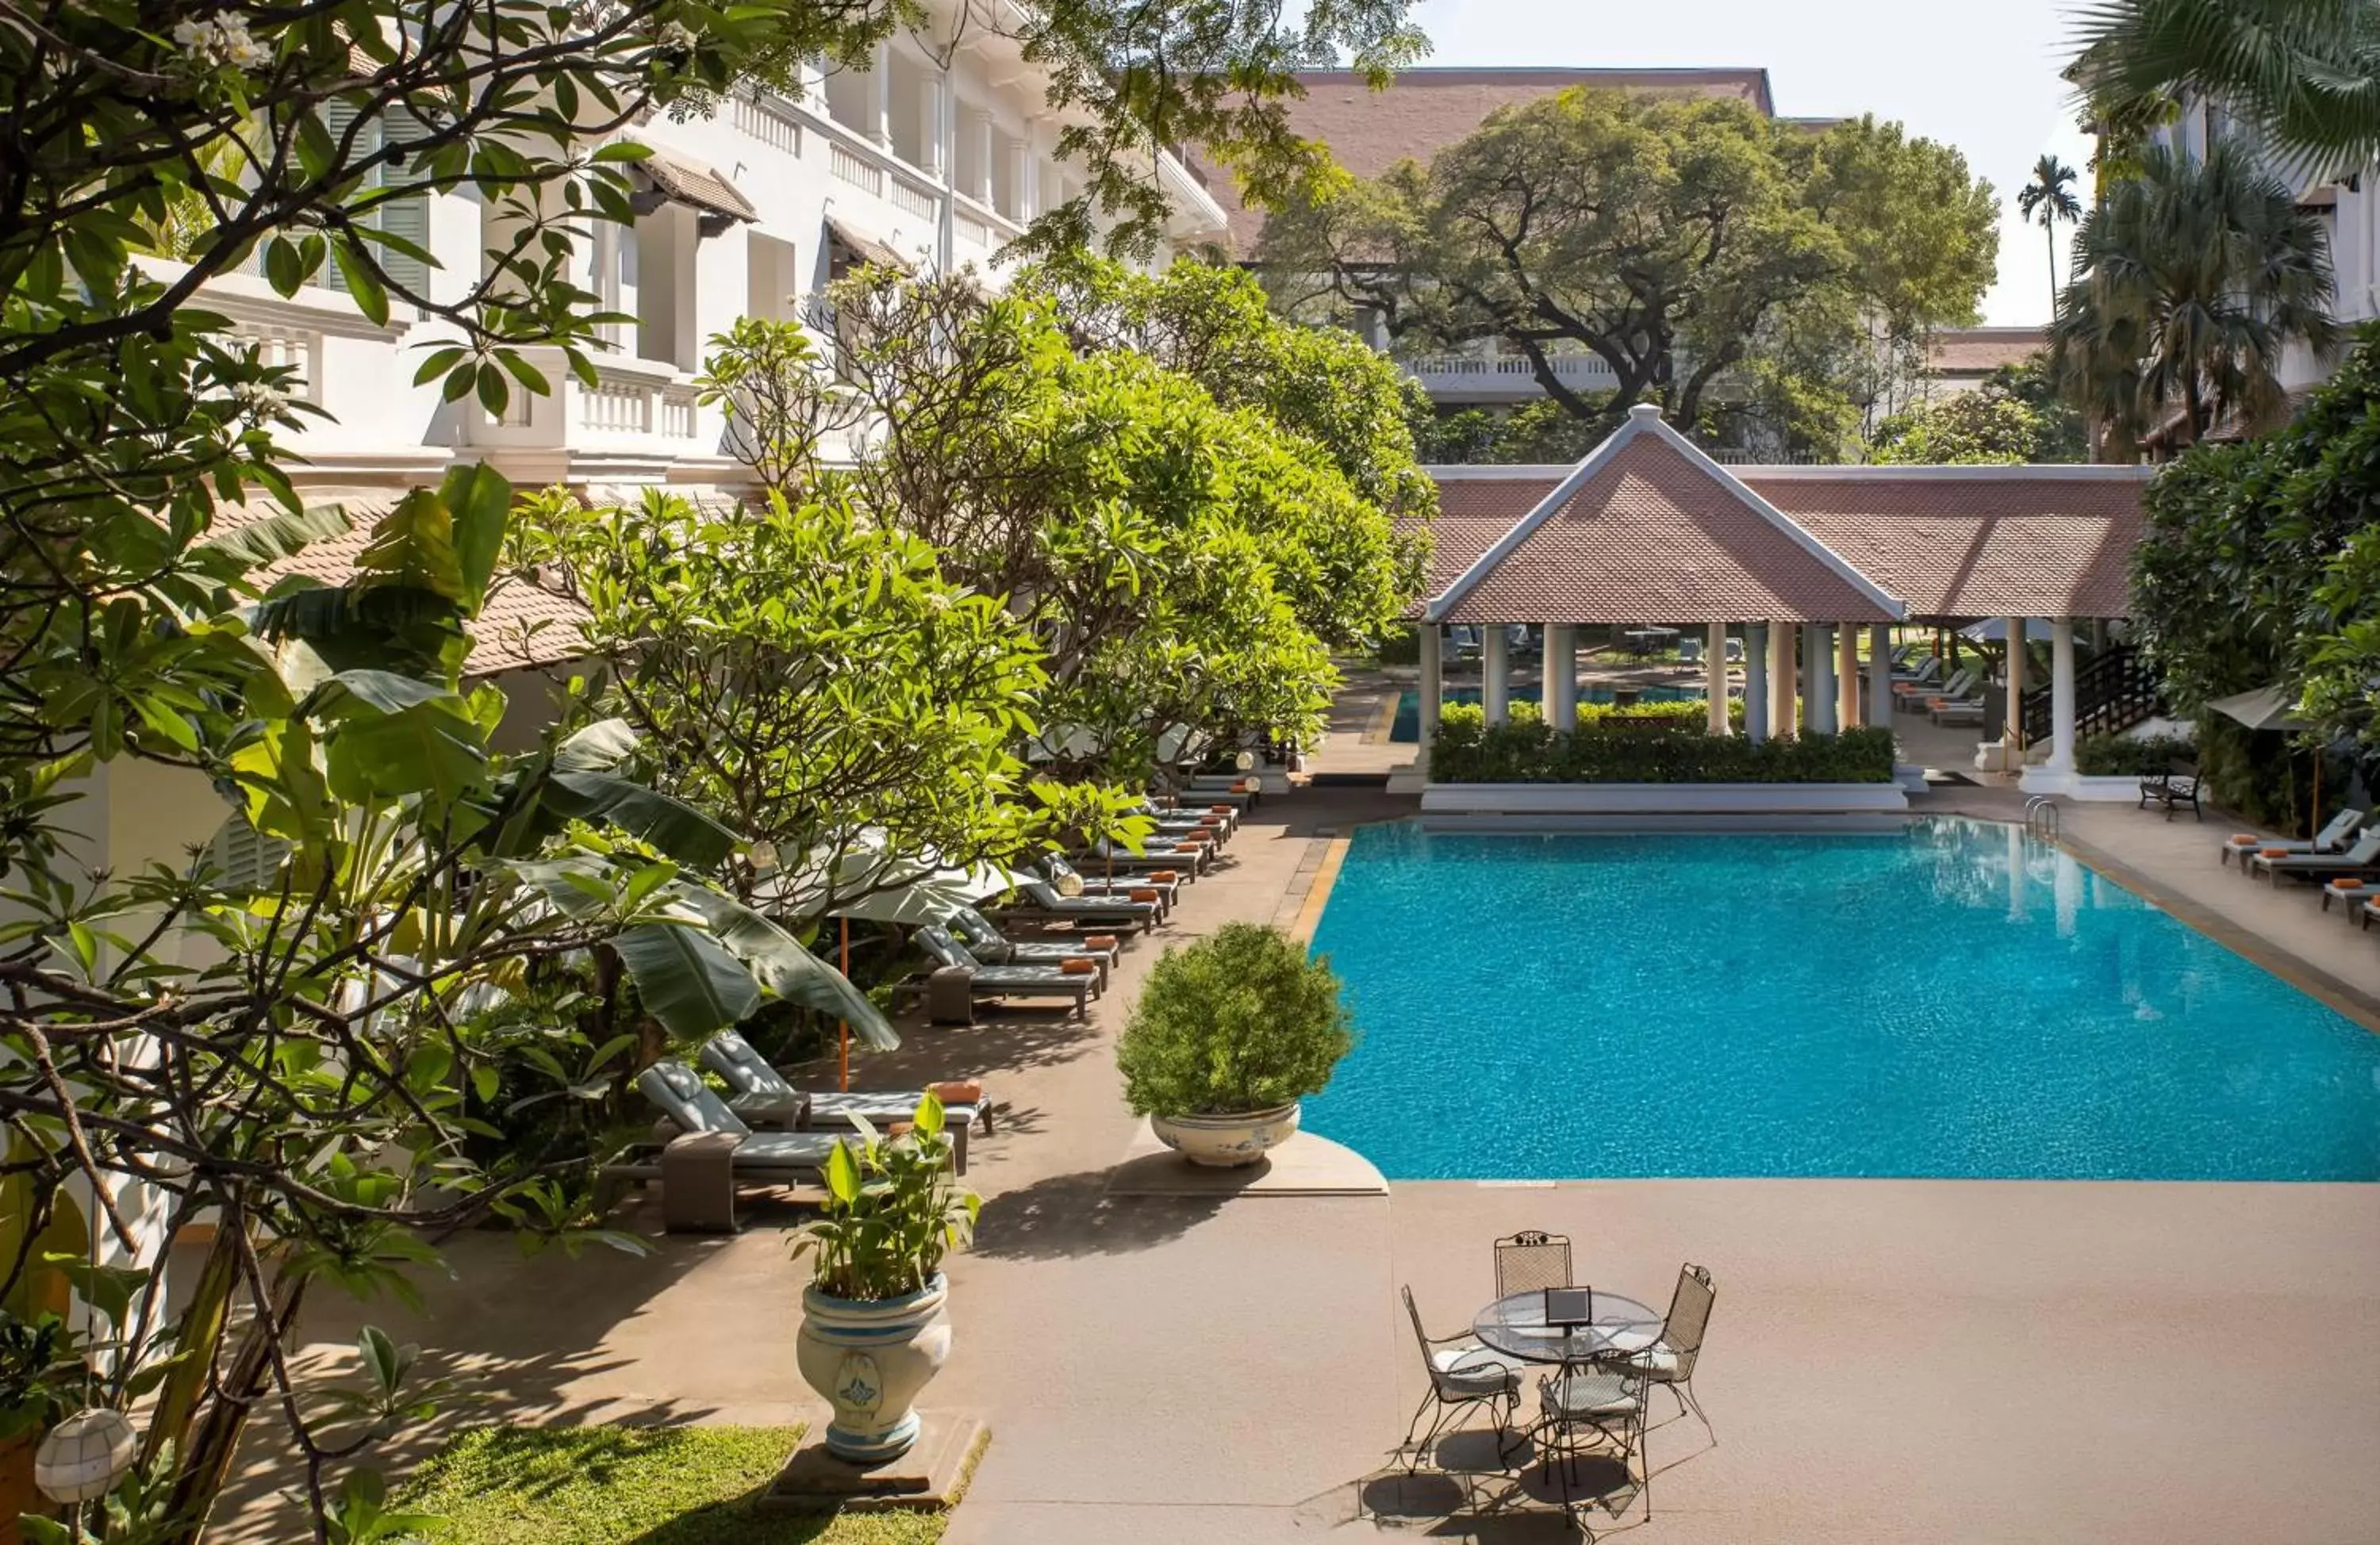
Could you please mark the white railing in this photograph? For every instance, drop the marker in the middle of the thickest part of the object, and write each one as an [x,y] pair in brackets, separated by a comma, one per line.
[915,198]
[848,163]
[284,346]
[761,121]
[971,229]
[677,413]
[615,406]
[1511,368]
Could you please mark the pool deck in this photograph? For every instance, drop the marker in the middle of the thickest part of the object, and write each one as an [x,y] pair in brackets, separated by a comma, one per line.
[1890,1361]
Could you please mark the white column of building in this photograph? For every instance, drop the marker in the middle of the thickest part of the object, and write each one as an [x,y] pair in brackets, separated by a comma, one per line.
[2012,731]
[1561,669]
[1021,177]
[1879,681]
[1549,682]
[2061,695]
[1433,679]
[879,80]
[811,77]
[1755,681]
[933,132]
[1818,691]
[1847,700]
[1715,678]
[982,190]
[1495,692]
[1783,722]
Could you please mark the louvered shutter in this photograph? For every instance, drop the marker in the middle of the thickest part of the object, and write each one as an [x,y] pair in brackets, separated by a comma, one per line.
[244,858]
[407,218]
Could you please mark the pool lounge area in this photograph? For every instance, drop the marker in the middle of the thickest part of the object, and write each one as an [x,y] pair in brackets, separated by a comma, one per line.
[1956,1001]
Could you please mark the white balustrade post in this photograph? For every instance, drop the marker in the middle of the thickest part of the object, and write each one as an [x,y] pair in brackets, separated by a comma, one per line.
[879,78]
[1715,678]
[1496,676]
[2012,730]
[1755,681]
[1818,689]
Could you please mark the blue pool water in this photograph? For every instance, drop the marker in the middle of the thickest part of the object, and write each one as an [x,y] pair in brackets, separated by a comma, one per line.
[1954,1001]
[1406,726]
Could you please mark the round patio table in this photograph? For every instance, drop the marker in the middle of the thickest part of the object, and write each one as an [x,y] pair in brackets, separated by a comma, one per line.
[1515,1325]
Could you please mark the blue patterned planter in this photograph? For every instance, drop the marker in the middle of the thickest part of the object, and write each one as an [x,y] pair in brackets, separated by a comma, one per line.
[869,1361]
[1227,1142]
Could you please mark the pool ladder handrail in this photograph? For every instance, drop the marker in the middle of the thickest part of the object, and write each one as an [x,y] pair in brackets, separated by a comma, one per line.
[2042,818]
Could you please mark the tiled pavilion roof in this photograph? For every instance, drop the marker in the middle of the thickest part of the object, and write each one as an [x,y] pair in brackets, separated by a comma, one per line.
[1648,529]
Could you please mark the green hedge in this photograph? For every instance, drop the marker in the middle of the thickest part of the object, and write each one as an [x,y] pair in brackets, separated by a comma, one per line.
[1685,717]
[2131,756]
[1468,752]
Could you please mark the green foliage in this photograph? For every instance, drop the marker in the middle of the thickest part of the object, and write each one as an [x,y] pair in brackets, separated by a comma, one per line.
[1680,240]
[2048,201]
[2131,755]
[2264,778]
[2305,74]
[1539,433]
[1688,716]
[1968,429]
[1620,752]
[511,1485]
[2190,283]
[2250,572]
[1241,1020]
[893,1209]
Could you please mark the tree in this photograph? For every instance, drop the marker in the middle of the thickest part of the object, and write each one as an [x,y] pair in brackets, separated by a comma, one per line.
[2305,74]
[813,681]
[2049,199]
[1682,242]
[2189,284]
[1970,428]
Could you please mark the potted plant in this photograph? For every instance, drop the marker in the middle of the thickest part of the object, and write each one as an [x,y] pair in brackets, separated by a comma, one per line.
[38,1373]
[1229,1035]
[873,1328]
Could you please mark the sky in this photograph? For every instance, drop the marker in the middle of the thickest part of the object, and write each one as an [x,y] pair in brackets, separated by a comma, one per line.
[1981,74]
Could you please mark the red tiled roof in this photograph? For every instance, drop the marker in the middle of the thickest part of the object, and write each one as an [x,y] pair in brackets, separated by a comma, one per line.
[1423,111]
[1978,351]
[1984,544]
[519,627]
[1652,536]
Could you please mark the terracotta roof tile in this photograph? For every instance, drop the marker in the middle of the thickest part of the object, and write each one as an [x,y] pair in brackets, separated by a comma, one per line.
[521,626]
[1985,545]
[1423,111]
[1653,537]
[1978,351]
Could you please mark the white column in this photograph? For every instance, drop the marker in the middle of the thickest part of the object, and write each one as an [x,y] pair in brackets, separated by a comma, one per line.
[2013,732]
[811,79]
[1715,678]
[981,193]
[1847,700]
[1021,179]
[933,112]
[1549,683]
[1496,679]
[1755,681]
[1879,681]
[1433,680]
[2061,695]
[1783,723]
[879,76]
[1818,691]
[1561,669]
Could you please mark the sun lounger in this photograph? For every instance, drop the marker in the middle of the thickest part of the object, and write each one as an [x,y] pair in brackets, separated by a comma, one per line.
[712,1149]
[2365,913]
[762,1086]
[2363,858]
[1189,859]
[2348,892]
[984,939]
[1007,981]
[1166,883]
[2329,839]
[1947,713]
[1038,901]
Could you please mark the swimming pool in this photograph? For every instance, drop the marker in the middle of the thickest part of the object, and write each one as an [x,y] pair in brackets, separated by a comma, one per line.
[1406,726]
[1954,1001]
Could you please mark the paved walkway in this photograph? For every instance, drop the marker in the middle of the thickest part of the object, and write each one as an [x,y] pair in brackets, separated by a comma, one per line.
[1890,1361]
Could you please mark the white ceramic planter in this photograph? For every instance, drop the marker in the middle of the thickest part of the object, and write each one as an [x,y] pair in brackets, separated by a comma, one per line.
[869,1361]
[1226,1142]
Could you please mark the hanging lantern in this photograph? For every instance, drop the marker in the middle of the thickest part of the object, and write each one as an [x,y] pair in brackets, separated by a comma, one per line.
[85,1455]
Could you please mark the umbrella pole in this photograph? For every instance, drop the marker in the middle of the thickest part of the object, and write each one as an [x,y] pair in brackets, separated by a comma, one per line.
[843,1027]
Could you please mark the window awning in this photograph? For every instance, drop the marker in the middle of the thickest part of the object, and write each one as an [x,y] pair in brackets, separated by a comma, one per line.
[865,248]
[690,182]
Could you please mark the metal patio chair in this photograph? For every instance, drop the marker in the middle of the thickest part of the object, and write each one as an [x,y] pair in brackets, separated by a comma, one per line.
[1532,1259]
[1670,1361]
[1462,1374]
[1595,1409]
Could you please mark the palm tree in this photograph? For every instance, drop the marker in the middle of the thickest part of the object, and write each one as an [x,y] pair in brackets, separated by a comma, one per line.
[2049,198]
[2306,73]
[2188,283]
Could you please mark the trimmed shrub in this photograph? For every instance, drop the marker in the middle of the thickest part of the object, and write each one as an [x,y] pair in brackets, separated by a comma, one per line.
[1241,1020]
[2131,755]
[1621,753]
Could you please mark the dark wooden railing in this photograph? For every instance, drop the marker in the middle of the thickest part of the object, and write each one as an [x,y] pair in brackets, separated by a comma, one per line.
[2113,690]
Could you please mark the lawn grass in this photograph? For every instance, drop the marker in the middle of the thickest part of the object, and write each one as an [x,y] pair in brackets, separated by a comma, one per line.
[513,1485]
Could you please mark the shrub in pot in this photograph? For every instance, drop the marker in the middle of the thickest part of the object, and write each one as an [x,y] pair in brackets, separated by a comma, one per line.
[874,1327]
[1229,1035]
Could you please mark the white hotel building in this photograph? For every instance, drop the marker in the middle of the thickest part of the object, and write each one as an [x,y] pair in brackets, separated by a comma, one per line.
[933,158]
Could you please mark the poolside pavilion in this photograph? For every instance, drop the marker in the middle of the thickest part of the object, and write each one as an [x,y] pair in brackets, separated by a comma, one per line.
[1796,560]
